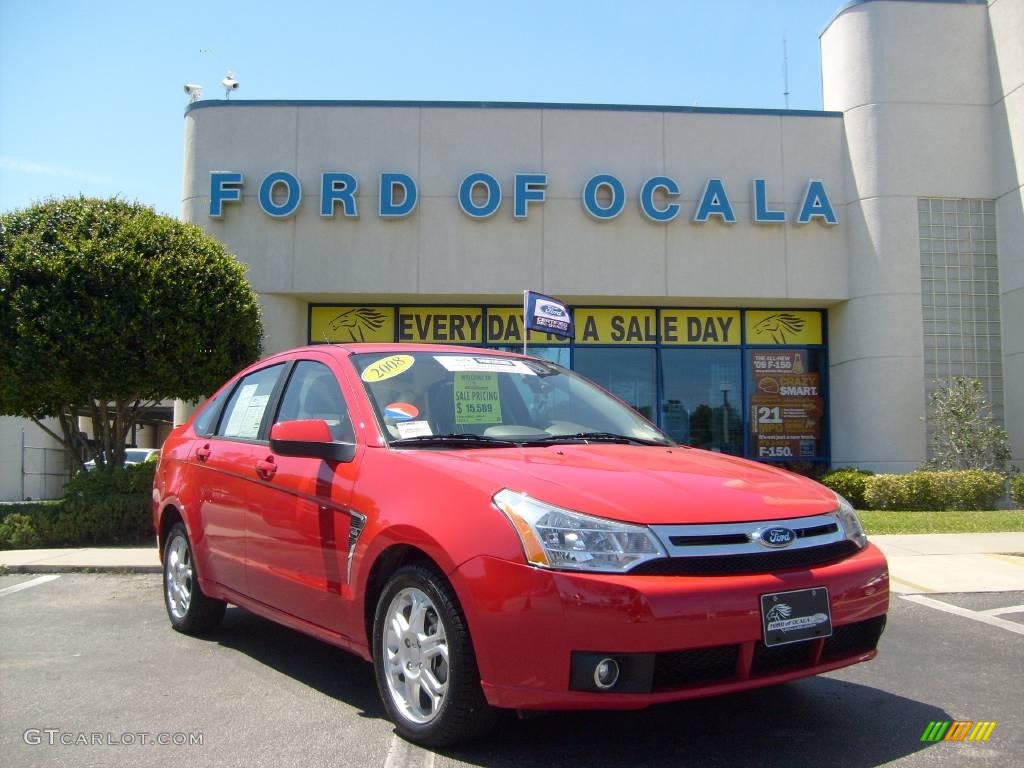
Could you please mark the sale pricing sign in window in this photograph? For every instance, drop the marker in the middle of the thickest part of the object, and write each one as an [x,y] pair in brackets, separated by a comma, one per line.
[477,399]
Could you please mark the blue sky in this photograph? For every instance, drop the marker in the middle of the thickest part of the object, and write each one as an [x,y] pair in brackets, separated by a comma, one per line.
[91,97]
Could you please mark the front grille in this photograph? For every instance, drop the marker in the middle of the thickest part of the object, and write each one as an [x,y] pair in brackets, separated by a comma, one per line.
[754,562]
[852,639]
[780,658]
[706,667]
[678,669]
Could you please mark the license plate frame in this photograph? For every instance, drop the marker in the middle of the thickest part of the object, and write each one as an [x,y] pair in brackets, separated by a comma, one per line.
[795,616]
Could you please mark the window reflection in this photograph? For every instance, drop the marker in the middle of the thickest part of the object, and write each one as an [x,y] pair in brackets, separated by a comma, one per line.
[626,372]
[702,398]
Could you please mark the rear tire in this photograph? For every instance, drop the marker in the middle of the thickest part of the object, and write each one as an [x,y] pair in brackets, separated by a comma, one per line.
[424,662]
[188,608]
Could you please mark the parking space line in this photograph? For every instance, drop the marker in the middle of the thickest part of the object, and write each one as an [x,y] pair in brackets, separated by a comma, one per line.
[1001,611]
[29,584]
[402,754]
[956,610]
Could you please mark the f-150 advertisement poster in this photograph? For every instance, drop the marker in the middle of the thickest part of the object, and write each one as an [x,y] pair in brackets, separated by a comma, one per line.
[786,405]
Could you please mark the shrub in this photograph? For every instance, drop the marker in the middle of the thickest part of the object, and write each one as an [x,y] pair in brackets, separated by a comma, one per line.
[18,532]
[1017,489]
[965,489]
[849,483]
[135,478]
[963,432]
[99,508]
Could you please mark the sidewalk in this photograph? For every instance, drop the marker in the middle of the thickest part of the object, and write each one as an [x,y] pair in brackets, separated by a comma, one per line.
[954,562]
[918,564]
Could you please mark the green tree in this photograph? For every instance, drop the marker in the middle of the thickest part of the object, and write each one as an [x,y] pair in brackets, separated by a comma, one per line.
[963,434]
[107,308]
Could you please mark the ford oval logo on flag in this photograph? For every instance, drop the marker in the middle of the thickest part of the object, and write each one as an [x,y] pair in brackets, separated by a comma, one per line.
[554,310]
[776,536]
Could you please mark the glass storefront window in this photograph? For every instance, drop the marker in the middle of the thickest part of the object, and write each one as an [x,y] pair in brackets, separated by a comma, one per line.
[558,355]
[702,398]
[626,372]
[747,382]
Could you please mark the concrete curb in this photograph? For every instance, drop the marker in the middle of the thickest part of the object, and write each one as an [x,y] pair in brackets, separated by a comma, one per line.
[44,568]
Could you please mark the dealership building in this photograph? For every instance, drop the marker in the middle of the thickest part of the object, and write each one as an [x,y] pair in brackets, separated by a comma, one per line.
[784,285]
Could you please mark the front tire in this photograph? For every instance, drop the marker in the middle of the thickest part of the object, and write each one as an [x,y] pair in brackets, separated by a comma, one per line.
[424,662]
[188,608]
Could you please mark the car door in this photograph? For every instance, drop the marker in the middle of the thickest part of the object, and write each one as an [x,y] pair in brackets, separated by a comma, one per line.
[224,465]
[299,521]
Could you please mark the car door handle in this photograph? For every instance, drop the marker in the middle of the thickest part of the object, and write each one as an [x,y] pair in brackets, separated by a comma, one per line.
[203,453]
[266,467]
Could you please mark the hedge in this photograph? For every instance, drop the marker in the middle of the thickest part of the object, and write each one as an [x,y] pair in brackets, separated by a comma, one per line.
[957,490]
[100,508]
[1017,489]
[849,483]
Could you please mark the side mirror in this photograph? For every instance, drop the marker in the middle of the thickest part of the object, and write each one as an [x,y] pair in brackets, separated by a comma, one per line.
[308,438]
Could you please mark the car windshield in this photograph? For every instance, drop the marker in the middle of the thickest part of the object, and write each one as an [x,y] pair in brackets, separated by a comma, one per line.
[479,400]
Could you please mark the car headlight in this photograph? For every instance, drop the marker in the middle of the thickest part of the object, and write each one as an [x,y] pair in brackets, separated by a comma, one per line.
[848,519]
[559,538]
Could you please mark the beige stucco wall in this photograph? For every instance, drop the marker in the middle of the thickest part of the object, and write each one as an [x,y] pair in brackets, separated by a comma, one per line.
[1007,57]
[558,248]
[919,86]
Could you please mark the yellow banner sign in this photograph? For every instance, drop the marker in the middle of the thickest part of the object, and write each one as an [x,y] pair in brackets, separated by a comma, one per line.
[505,326]
[783,327]
[616,326]
[351,324]
[698,326]
[441,325]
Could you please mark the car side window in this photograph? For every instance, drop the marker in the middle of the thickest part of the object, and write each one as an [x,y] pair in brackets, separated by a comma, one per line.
[244,412]
[313,393]
[206,421]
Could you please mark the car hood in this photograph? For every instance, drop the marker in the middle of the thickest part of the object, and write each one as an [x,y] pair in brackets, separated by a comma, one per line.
[641,484]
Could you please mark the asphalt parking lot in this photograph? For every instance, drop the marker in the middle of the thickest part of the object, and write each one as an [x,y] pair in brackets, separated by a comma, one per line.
[88,657]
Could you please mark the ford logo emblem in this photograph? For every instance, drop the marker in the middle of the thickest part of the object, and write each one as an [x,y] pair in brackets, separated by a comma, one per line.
[554,311]
[776,536]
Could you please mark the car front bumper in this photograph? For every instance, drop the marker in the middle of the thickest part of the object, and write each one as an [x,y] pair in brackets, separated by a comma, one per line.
[690,636]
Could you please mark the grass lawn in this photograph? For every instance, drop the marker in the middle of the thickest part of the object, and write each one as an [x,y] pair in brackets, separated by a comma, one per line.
[984,521]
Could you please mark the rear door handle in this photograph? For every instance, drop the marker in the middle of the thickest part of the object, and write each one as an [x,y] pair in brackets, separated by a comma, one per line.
[203,453]
[266,467]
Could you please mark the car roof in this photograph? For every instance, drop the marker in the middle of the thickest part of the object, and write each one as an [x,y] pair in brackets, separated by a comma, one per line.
[345,350]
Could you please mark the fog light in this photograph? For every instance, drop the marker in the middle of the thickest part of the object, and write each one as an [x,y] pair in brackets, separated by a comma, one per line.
[606,674]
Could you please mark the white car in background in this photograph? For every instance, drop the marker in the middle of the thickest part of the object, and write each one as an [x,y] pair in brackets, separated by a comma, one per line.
[131,456]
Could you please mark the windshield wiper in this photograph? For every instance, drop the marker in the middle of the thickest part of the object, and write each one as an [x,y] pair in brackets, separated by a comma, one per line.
[462,439]
[597,437]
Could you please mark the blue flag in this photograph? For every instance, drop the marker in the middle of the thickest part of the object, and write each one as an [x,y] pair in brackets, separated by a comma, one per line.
[547,315]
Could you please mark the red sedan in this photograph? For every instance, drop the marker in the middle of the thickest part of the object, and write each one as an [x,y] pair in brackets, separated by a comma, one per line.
[494,532]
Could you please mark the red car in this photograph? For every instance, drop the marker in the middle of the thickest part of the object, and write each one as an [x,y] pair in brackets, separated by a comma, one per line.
[494,532]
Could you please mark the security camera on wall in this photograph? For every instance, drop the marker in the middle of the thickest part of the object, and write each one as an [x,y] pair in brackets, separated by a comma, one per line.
[195,92]
[230,84]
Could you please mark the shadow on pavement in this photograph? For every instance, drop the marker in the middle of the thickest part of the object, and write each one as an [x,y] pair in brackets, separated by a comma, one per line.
[815,722]
[327,669]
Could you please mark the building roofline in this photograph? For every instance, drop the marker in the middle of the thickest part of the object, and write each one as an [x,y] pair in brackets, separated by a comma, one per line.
[395,104]
[855,3]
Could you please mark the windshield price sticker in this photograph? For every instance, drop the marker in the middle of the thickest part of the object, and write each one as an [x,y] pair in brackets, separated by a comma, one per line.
[477,400]
[387,367]
[467,363]
[407,429]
